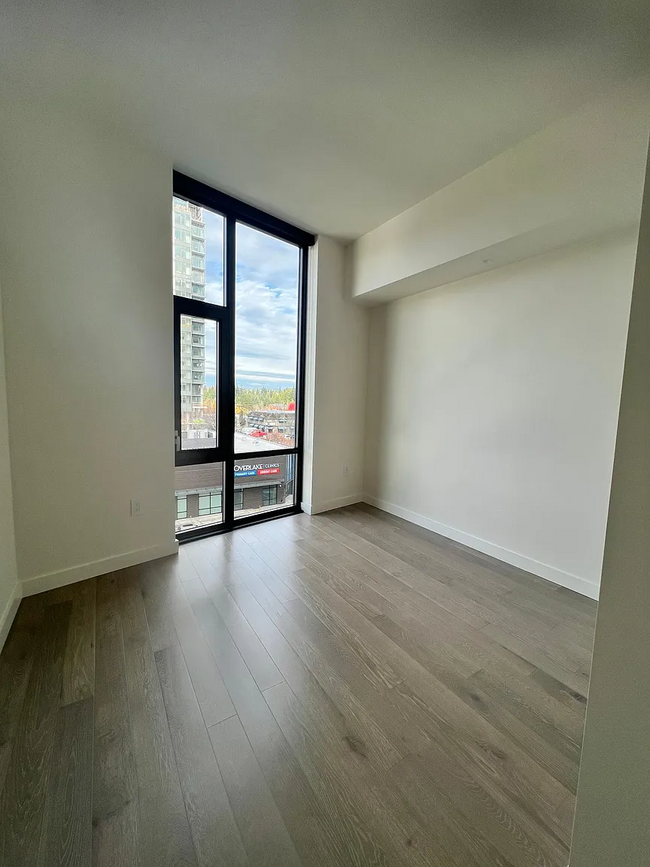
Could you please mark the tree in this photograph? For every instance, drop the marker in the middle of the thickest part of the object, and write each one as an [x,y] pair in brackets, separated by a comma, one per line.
[261,398]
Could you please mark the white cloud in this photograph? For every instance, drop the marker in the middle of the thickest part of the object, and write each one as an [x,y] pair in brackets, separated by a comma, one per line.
[213,232]
[266,324]
[267,306]
[266,303]
[266,259]
[214,292]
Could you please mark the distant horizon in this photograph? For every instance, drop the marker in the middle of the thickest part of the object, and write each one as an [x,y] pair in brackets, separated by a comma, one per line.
[255,382]
[272,385]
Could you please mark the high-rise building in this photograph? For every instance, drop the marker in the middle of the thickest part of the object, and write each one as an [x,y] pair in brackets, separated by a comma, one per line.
[189,281]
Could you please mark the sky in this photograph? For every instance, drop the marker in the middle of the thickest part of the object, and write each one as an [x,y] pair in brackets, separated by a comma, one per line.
[267,304]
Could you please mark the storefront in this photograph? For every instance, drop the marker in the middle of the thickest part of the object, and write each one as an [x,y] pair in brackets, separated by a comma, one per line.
[260,484]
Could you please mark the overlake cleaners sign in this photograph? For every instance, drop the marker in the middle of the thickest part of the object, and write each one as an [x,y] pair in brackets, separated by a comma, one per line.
[257,470]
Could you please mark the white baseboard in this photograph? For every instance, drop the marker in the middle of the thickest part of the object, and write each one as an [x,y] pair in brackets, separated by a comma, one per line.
[7,616]
[550,573]
[328,505]
[50,580]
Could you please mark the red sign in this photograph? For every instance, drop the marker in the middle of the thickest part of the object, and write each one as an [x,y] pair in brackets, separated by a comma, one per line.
[268,472]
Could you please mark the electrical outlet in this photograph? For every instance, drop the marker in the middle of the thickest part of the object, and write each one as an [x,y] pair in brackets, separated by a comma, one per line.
[136,508]
[345,471]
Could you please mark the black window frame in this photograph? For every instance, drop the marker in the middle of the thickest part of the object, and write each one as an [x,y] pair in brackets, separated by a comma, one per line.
[235,211]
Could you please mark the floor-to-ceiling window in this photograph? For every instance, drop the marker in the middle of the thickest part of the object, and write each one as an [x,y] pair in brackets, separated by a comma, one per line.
[239,284]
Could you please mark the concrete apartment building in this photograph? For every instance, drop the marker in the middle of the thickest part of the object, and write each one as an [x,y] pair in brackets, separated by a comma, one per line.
[189,282]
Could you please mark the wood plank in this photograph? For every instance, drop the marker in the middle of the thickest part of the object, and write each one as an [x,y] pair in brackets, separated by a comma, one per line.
[539,656]
[16,663]
[537,708]
[200,554]
[332,610]
[209,688]
[423,553]
[24,793]
[31,611]
[424,705]
[268,554]
[116,814]
[79,660]
[539,600]
[289,528]
[268,575]
[464,733]
[464,844]
[428,700]
[255,655]
[566,814]
[520,834]
[310,830]
[378,829]
[469,819]
[559,691]
[357,648]
[420,593]
[215,834]
[439,647]
[338,526]
[164,833]
[358,592]
[214,560]
[576,601]
[263,831]
[448,560]
[152,578]
[576,643]
[349,685]
[557,755]
[416,557]
[319,683]
[67,821]
[383,600]
[184,566]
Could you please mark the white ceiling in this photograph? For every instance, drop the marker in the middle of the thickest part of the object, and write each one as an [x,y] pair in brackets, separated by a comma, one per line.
[336,114]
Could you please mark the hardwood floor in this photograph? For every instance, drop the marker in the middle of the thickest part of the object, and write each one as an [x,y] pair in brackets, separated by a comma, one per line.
[346,689]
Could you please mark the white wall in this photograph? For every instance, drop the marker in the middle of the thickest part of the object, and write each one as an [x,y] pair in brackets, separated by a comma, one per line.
[612,825]
[336,385]
[9,586]
[85,249]
[86,270]
[492,407]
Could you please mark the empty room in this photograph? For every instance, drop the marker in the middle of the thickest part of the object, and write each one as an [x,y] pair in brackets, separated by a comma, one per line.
[324,411]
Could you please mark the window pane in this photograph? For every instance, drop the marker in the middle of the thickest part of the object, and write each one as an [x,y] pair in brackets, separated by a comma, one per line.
[264,484]
[266,341]
[198,496]
[269,496]
[199,374]
[198,252]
